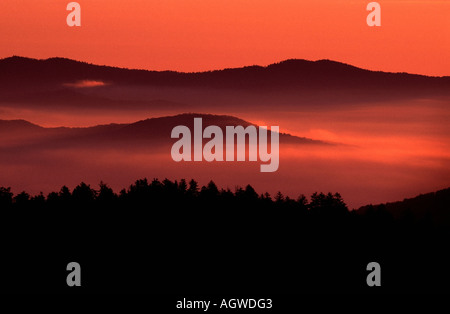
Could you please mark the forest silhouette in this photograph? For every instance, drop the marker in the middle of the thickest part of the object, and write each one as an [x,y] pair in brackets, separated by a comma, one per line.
[175,195]
[185,195]
[178,237]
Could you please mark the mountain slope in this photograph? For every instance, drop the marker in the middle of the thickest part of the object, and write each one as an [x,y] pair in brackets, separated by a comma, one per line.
[154,130]
[289,73]
[433,206]
[60,86]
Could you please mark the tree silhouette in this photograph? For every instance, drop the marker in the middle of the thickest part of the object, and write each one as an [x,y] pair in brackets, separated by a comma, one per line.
[6,197]
[83,194]
[106,195]
[22,199]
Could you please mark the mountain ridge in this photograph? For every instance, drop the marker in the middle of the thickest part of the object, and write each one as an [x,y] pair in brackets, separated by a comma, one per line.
[16,67]
[63,84]
[282,63]
[157,129]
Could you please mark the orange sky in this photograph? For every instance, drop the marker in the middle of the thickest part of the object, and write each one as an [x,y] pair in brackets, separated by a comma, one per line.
[194,35]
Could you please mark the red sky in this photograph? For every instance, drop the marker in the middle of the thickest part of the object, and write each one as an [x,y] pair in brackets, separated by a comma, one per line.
[195,35]
[410,155]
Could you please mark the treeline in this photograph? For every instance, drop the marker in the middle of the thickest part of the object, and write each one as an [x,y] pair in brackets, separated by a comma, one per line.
[201,238]
[160,197]
[144,194]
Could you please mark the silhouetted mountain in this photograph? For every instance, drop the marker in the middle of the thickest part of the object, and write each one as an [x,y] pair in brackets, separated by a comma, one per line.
[289,73]
[297,82]
[154,130]
[433,207]
[18,125]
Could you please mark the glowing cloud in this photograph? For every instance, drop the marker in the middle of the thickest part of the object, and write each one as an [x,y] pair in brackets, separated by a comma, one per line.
[86,83]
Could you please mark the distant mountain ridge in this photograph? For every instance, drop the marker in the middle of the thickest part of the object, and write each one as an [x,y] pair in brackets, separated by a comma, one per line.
[287,73]
[59,84]
[156,130]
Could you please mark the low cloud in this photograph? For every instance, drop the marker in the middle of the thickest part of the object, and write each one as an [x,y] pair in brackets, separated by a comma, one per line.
[86,84]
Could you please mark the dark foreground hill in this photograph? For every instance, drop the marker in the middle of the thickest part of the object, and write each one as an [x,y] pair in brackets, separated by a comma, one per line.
[431,207]
[165,237]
